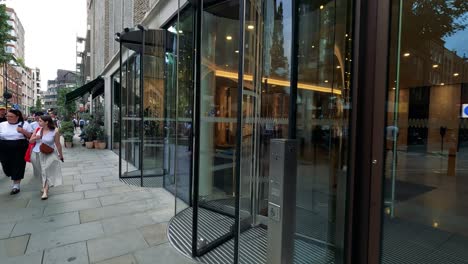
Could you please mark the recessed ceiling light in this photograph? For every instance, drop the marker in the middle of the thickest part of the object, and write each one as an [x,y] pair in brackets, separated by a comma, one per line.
[435,66]
[250,27]
[326,81]
[407,54]
[180,31]
[338,67]
[442,83]
[236,51]
[321,7]
[456,74]
[228,37]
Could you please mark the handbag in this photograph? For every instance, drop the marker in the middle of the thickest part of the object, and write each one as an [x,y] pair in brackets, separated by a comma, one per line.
[27,156]
[44,148]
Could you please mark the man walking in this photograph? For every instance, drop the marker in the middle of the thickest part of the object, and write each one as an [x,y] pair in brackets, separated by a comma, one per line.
[2,114]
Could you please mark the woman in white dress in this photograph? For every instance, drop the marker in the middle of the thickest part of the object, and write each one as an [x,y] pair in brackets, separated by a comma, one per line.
[47,165]
[13,145]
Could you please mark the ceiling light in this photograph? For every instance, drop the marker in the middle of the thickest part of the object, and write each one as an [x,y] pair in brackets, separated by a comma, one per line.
[393,88]
[435,66]
[236,51]
[456,74]
[313,46]
[407,54]
[228,37]
[321,7]
[326,81]
[180,31]
[250,27]
[442,83]
[338,67]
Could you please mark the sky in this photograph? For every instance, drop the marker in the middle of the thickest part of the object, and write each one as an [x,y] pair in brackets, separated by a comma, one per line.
[51,28]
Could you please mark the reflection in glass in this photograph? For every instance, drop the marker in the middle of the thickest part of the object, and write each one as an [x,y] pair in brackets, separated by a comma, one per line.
[426,133]
[179,90]
[323,110]
[116,87]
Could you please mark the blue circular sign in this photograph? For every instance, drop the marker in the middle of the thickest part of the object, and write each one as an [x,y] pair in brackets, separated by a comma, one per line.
[465,110]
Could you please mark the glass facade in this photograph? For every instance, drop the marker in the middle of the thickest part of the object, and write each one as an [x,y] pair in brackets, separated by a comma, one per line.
[200,117]
[425,182]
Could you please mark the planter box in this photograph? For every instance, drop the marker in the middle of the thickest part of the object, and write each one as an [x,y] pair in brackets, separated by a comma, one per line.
[68,144]
[100,145]
[89,144]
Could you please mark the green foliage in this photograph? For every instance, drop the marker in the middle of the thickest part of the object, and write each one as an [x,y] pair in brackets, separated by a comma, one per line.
[67,130]
[66,110]
[425,20]
[91,130]
[38,104]
[4,36]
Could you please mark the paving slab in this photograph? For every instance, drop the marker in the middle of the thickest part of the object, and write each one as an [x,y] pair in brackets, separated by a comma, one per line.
[115,245]
[107,191]
[60,189]
[122,223]
[71,206]
[5,230]
[125,197]
[16,215]
[56,198]
[161,254]
[91,179]
[35,258]
[46,223]
[125,259]
[73,254]
[155,234]
[84,187]
[18,203]
[14,246]
[63,236]
[94,214]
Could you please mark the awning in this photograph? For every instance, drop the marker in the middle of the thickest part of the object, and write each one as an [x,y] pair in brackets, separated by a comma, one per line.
[87,88]
[98,90]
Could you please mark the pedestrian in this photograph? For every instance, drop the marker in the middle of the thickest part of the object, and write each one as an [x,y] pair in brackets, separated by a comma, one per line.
[75,124]
[2,114]
[35,124]
[13,144]
[46,155]
[82,123]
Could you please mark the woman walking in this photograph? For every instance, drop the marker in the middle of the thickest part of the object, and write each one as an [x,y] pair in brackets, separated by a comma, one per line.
[44,159]
[13,144]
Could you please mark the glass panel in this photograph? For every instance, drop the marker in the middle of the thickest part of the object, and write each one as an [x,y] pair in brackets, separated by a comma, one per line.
[179,78]
[155,116]
[274,107]
[250,231]
[116,90]
[323,112]
[131,117]
[425,209]
[218,103]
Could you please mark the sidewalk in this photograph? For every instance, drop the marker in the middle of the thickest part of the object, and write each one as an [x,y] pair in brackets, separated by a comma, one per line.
[92,218]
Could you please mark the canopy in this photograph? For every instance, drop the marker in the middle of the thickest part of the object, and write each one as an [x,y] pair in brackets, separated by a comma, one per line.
[93,85]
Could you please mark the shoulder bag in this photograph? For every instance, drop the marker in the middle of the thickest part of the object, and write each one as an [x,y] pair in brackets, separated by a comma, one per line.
[44,148]
[27,156]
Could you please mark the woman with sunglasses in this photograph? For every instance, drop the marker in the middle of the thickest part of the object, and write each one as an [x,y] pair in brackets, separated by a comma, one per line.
[13,145]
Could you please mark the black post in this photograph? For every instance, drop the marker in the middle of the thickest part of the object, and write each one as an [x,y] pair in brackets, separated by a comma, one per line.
[196,126]
[142,75]
[294,72]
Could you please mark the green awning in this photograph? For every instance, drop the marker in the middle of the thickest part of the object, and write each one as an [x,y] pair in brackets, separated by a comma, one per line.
[87,88]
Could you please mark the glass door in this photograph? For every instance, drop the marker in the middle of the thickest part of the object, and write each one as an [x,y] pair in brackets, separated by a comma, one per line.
[218,124]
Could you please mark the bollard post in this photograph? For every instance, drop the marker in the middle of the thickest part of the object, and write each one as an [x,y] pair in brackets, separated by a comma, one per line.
[452,156]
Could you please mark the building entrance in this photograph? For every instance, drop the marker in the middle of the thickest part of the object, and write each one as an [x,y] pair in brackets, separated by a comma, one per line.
[293,84]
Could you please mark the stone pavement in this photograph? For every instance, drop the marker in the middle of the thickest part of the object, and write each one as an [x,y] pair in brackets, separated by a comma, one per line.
[91,218]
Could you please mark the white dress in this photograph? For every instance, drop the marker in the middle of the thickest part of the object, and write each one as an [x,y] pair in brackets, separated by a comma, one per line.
[47,166]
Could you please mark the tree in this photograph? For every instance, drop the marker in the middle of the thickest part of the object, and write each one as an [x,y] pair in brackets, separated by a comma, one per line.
[279,62]
[426,20]
[5,36]
[65,109]
[38,104]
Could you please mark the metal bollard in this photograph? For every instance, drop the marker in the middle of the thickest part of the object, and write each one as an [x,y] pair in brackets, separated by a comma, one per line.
[452,158]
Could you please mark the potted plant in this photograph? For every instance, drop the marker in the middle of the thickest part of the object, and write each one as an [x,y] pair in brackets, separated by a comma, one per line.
[68,138]
[101,139]
[90,132]
[67,130]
